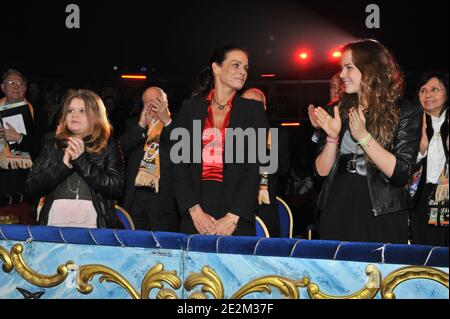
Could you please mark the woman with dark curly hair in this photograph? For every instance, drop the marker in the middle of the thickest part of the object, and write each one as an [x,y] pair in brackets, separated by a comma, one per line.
[367,150]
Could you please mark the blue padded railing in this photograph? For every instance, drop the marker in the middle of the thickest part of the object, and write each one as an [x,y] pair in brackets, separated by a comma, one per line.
[84,236]
[277,247]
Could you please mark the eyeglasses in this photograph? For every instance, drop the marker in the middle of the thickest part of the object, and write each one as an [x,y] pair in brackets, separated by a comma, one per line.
[14,83]
[434,90]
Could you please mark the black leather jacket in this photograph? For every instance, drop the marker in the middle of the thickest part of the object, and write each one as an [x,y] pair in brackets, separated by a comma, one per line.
[102,172]
[389,195]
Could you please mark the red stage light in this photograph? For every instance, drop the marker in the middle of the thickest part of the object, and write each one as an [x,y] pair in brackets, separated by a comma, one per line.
[303,55]
[268,75]
[337,54]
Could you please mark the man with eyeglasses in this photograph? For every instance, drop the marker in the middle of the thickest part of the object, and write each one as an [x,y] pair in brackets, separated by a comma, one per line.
[13,175]
[14,86]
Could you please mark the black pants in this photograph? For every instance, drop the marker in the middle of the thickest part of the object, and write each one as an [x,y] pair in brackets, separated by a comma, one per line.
[150,212]
[213,202]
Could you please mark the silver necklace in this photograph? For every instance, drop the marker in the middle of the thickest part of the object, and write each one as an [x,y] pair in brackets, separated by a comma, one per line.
[220,106]
[74,191]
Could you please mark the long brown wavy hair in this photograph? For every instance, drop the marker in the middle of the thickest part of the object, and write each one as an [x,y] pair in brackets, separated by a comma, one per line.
[382,85]
[100,128]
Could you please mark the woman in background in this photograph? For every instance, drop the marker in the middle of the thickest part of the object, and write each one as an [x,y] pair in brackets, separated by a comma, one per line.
[433,154]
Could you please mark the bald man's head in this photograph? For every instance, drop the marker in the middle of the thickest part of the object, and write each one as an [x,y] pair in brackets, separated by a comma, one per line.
[153,93]
[255,94]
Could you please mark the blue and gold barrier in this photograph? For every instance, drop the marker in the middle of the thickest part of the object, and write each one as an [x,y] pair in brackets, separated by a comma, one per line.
[72,263]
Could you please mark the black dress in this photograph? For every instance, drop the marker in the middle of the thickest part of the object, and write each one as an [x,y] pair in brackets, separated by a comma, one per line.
[348,215]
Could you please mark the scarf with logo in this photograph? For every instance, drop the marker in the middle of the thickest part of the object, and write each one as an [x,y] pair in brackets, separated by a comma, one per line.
[149,169]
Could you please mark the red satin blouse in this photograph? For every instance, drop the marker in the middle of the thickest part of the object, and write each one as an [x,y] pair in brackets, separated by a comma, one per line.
[213,142]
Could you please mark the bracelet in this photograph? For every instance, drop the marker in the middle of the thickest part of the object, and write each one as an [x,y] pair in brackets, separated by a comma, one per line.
[264,181]
[365,140]
[333,140]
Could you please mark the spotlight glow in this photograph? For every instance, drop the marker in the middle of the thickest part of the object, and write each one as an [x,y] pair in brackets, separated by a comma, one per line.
[337,54]
[134,77]
[303,55]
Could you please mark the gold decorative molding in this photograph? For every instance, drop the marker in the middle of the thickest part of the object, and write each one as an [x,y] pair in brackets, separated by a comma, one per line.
[369,291]
[198,295]
[33,277]
[9,220]
[209,280]
[6,260]
[401,275]
[155,279]
[166,294]
[88,272]
[287,287]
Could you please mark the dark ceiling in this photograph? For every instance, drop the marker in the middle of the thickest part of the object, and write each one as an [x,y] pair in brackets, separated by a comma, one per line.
[174,39]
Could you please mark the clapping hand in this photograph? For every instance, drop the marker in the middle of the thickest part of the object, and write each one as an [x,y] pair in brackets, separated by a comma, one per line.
[331,125]
[312,117]
[75,147]
[357,123]
[424,140]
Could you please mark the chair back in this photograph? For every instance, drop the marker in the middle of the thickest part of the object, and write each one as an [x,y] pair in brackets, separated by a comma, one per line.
[261,228]
[124,218]
[286,219]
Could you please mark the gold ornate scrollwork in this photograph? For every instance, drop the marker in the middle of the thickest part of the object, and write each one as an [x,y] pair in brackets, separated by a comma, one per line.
[368,292]
[155,278]
[166,294]
[6,260]
[209,280]
[198,295]
[287,287]
[401,275]
[88,272]
[33,277]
